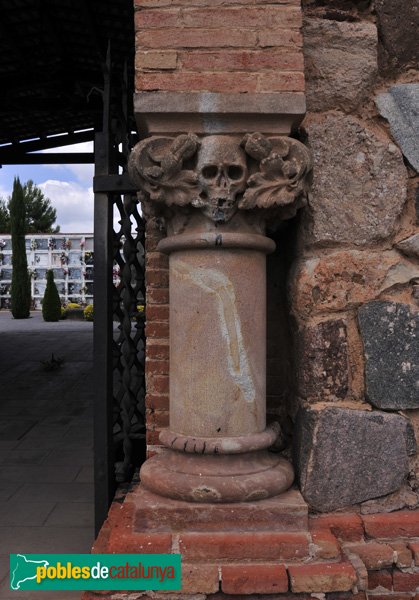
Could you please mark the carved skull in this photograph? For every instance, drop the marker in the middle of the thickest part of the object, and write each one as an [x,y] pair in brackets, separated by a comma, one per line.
[222,175]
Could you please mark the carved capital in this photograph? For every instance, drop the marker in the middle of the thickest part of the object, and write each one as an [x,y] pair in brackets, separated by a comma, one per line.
[220,175]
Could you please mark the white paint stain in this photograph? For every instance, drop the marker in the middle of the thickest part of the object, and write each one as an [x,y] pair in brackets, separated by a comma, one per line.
[218,284]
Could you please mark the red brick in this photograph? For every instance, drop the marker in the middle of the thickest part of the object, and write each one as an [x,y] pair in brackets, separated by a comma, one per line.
[380,578]
[280,38]
[374,555]
[225,17]
[102,540]
[345,526]
[156,260]
[254,17]
[158,384]
[157,401]
[414,546]
[391,596]
[289,81]
[345,596]
[285,81]
[326,545]
[241,60]
[392,525]
[267,545]
[146,19]
[157,349]
[157,278]
[121,515]
[151,242]
[156,60]
[405,582]
[152,438]
[254,579]
[157,296]
[157,312]
[156,329]
[188,3]
[157,367]
[157,419]
[202,578]
[404,555]
[326,577]
[196,38]
[98,595]
[124,541]
[197,81]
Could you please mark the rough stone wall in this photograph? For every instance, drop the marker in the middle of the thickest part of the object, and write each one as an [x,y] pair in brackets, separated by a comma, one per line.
[353,287]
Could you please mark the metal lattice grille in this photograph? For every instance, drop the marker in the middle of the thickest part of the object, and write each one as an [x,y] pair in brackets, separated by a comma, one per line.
[128,339]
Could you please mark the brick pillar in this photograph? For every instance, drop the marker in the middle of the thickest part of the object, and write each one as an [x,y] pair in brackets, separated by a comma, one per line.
[215,68]
[235,51]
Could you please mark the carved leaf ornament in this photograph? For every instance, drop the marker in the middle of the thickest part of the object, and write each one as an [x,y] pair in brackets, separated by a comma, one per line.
[168,171]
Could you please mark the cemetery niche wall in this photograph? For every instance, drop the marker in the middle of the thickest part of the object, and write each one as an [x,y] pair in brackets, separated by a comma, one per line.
[70,256]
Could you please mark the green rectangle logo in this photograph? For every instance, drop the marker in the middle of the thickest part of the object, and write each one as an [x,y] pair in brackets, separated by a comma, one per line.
[95,572]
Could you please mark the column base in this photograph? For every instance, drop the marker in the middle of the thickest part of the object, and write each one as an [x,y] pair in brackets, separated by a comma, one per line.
[224,478]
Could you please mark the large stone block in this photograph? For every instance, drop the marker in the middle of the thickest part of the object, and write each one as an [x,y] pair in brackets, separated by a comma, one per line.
[345,279]
[323,361]
[341,63]
[410,246]
[400,107]
[345,456]
[389,332]
[398,25]
[359,185]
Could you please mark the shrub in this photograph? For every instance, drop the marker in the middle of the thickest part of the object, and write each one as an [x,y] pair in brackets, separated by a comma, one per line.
[88,312]
[71,305]
[51,304]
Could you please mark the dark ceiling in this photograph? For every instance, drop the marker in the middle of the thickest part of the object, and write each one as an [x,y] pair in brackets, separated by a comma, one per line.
[52,57]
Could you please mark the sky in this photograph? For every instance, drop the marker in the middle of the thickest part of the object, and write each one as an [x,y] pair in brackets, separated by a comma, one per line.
[69,187]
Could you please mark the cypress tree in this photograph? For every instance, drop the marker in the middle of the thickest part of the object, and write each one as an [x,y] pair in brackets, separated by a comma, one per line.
[21,286]
[51,304]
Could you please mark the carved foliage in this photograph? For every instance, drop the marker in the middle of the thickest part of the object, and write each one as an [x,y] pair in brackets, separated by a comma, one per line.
[212,173]
[284,168]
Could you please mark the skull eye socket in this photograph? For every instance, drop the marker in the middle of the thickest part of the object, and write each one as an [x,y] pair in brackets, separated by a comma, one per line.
[235,172]
[209,171]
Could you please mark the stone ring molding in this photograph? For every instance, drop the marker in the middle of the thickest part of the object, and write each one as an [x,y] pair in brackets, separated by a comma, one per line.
[221,174]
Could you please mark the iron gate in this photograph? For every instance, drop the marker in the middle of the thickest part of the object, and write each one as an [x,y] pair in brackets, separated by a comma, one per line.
[119,292]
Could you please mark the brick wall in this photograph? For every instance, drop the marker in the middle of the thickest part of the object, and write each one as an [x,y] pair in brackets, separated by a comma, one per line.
[157,336]
[343,556]
[218,46]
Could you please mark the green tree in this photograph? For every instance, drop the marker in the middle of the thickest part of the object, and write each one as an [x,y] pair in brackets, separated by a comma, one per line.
[51,304]
[4,217]
[40,215]
[21,287]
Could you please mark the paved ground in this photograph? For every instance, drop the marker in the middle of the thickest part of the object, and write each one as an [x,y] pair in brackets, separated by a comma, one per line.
[46,443]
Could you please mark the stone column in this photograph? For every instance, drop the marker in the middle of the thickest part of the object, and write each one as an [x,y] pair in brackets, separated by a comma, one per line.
[214,194]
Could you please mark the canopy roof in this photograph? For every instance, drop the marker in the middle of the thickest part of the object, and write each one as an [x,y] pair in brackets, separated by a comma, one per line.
[52,58]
